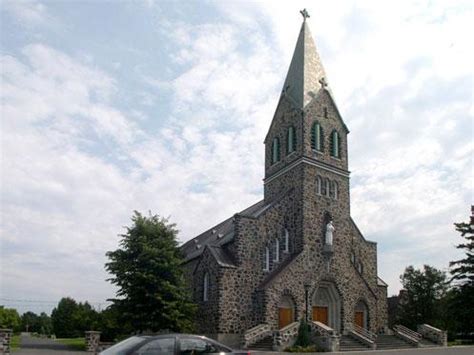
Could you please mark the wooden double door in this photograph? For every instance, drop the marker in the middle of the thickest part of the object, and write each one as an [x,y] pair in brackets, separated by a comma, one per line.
[359,318]
[285,317]
[321,314]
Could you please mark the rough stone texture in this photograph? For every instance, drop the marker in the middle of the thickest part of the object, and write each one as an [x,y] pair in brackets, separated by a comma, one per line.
[92,341]
[244,295]
[382,310]
[5,340]
[437,336]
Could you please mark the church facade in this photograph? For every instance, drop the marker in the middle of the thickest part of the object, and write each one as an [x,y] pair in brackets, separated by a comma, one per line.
[297,253]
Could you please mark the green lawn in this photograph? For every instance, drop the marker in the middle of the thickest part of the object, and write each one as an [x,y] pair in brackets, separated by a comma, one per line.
[74,343]
[15,343]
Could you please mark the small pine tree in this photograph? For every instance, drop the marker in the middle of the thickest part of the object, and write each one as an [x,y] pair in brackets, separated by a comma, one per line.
[303,338]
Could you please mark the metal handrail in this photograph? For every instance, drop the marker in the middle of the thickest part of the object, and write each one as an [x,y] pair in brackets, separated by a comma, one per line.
[364,332]
[407,331]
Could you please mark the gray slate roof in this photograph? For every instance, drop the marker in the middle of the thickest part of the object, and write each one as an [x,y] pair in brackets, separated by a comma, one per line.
[218,236]
[306,70]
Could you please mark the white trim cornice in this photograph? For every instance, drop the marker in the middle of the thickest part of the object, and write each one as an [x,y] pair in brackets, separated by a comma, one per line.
[306,160]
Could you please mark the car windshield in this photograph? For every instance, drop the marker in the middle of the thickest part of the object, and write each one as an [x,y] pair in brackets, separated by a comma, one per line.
[123,347]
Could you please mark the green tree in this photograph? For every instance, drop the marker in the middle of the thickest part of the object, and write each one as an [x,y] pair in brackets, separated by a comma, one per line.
[304,332]
[425,292]
[62,318]
[85,318]
[46,326]
[461,303]
[10,319]
[152,294]
[30,322]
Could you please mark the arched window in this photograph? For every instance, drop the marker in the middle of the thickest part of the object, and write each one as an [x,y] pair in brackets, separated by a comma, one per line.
[335,190]
[291,140]
[353,257]
[317,137]
[335,144]
[275,150]
[276,256]
[360,267]
[327,185]
[319,185]
[287,241]
[205,293]
[266,260]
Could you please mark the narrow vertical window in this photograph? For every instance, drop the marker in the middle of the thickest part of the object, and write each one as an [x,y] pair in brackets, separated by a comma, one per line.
[325,112]
[266,265]
[316,137]
[327,183]
[275,150]
[319,185]
[335,190]
[335,145]
[291,140]
[323,188]
[287,241]
[276,257]
[205,293]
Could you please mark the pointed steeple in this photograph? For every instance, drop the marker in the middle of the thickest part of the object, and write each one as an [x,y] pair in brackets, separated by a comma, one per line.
[306,74]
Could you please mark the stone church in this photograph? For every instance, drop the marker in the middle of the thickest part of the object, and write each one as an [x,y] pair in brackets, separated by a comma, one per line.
[297,253]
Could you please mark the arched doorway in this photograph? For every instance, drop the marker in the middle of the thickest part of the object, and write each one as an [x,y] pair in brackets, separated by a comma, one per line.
[286,311]
[361,314]
[326,304]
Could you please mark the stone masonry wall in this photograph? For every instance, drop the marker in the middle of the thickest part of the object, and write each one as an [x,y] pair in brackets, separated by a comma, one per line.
[382,309]
[208,311]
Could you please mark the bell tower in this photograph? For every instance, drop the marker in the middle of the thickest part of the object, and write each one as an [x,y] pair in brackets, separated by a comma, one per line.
[307,128]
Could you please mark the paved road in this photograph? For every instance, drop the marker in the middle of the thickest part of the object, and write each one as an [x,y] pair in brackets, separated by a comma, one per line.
[453,350]
[40,346]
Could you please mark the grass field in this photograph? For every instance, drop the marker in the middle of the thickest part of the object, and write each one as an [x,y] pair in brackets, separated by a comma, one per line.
[15,344]
[74,343]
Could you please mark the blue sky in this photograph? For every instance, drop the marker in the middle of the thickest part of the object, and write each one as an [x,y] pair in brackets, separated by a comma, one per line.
[162,106]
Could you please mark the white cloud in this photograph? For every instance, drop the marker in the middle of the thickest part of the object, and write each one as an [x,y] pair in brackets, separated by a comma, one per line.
[28,13]
[76,163]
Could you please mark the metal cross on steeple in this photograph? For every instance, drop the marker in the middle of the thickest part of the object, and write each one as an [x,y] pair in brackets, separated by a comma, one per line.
[305,14]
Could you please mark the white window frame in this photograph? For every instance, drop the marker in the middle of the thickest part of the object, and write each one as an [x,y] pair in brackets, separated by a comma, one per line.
[205,293]
[336,190]
[319,185]
[267,260]
[335,144]
[277,250]
[287,241]
[275,149]
[318,136]
[291,138]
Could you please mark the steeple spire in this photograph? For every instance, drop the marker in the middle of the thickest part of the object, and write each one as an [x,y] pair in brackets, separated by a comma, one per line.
[306,74]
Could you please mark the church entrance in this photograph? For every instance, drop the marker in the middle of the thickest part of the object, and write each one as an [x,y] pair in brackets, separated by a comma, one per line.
[286,312]
[361,314]
[326,304]
[320,314]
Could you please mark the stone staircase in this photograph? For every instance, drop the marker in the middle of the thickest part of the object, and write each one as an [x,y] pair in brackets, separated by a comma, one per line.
[425,343]
[385,342]
[348,343]
[265,344]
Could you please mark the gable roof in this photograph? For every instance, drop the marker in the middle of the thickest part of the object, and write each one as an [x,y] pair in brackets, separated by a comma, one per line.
[216,236]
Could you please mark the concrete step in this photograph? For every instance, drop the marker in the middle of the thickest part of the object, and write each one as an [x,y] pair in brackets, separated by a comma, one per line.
[265,344]
[347,343]
[385,342]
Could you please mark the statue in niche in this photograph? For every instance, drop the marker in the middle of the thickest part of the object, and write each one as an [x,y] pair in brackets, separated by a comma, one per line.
[329,233]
